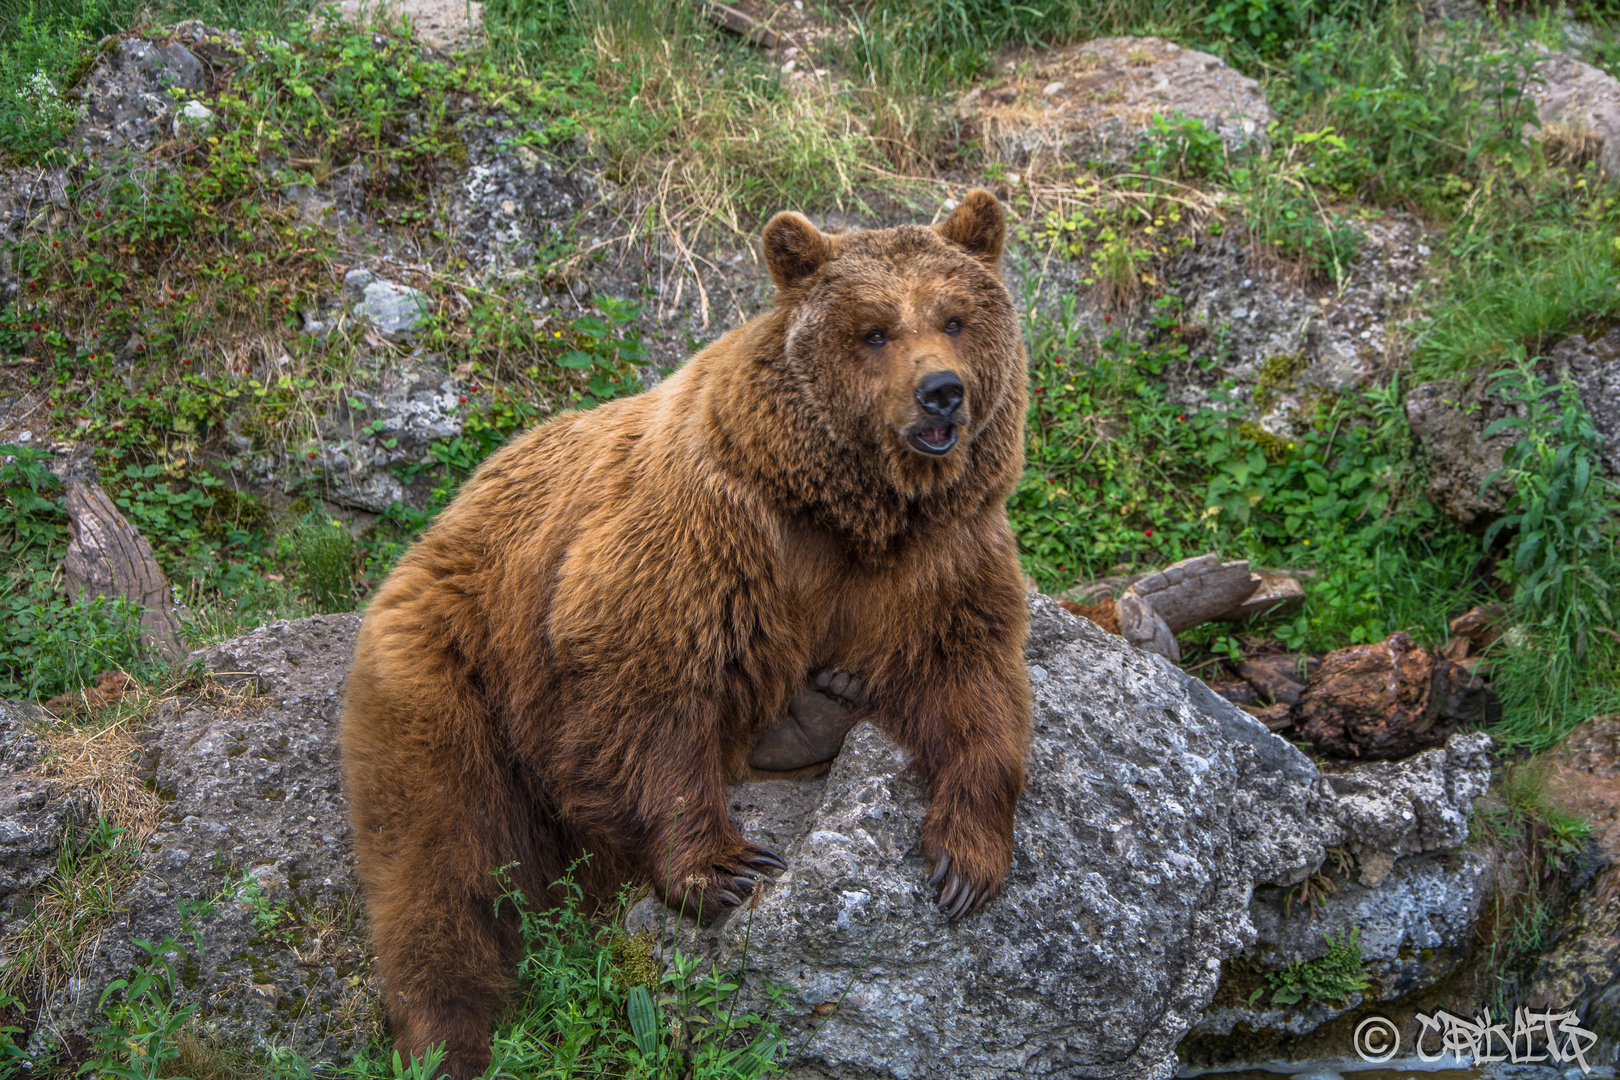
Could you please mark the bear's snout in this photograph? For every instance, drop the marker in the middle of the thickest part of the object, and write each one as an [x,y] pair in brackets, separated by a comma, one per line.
[940,392]
[940,395]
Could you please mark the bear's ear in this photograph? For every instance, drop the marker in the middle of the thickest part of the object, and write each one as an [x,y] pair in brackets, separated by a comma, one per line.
[978,225]
[794,249]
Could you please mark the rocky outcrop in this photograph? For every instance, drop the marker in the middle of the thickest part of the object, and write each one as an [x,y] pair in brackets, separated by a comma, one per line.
[1447,421]
[254,837]
[1578,106]
[1093,101]
[1581,968]
[1154,811]
[1402,881]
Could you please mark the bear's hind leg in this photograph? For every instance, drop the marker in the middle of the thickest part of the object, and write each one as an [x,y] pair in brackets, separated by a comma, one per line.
[446,959]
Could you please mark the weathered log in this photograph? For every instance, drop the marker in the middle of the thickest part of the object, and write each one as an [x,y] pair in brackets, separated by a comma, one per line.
[1386,700]
[1277,678]
[1196,590]
[1153,610]
[1275,594]
[107,557]
[743,25]
[1143,627]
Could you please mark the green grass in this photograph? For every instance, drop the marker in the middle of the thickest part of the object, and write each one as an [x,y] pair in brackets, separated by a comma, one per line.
[1524,294]
[590,1002]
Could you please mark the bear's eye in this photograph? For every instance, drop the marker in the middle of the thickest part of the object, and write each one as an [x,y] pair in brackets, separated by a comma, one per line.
[876,337]
[953,326]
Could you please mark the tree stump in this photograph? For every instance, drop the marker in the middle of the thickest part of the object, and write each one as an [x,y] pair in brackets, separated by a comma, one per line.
[107,557]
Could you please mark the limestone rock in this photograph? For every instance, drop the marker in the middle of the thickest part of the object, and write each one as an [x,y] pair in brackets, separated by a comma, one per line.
[1595,368]
[1447,421]
[1411,890]
[254,823]
[1153,807]
[397,311]
[1093,101]
[1578,103]
[1416,927]
[1414,806]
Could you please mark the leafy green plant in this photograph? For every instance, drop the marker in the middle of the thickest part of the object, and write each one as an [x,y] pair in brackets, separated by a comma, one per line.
[1334,976]
[142,1020]
[1183,148]
[1425,117]
[1556,667]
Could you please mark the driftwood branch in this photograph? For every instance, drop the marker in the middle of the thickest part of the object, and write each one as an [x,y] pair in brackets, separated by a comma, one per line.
[1163,604]
[107,557]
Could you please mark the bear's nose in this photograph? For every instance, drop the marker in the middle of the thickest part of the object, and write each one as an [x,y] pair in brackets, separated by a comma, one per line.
[940,392]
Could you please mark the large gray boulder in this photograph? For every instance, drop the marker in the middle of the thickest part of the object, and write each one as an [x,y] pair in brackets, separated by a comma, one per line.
[1152,810]
[1403,881]
[254,829]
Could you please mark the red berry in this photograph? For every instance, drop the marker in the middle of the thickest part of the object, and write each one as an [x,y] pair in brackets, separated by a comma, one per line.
[472,389]
[1108,318]
[1147,532]
[186,362]
[312,455]
[1182,418]
[98,213]
[464,399]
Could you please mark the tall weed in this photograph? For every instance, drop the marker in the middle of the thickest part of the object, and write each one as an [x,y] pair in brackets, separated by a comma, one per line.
[1557,664]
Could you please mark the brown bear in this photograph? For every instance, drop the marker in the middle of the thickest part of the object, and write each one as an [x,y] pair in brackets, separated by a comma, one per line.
[586,644]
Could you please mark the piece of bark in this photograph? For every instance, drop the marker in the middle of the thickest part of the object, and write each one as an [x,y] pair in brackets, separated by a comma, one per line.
[1277,678]
[812,730]
[1094,592]
[1277,716]
[1273,595]
[1102,612]
[743,25]
[1479,624]
[107,557]
[1237,692]
[1196,590]
[1376,701]
[1143,627]
[1457,649]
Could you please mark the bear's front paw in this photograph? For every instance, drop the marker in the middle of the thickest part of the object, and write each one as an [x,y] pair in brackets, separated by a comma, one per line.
[967,879]
[727,884]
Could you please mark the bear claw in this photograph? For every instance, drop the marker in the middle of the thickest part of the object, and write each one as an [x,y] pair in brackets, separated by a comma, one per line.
[939,871]
[767,857]
[728,898]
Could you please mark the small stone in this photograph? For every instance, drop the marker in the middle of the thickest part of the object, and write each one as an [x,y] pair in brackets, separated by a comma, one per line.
[194,116]
[396,310]
[1052,89]
[358,278]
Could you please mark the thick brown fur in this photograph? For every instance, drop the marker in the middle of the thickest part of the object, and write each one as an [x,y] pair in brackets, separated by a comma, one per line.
[585,645]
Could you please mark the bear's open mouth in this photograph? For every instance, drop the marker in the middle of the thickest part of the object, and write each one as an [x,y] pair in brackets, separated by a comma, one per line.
[934,440]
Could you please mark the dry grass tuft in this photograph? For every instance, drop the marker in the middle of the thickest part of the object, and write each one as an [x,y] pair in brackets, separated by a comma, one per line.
[1570,145]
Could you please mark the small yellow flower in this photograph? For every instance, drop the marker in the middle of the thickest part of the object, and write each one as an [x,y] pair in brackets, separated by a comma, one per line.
[1307,543]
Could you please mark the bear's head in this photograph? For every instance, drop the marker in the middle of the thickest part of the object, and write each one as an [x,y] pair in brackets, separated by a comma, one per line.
[904,343]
